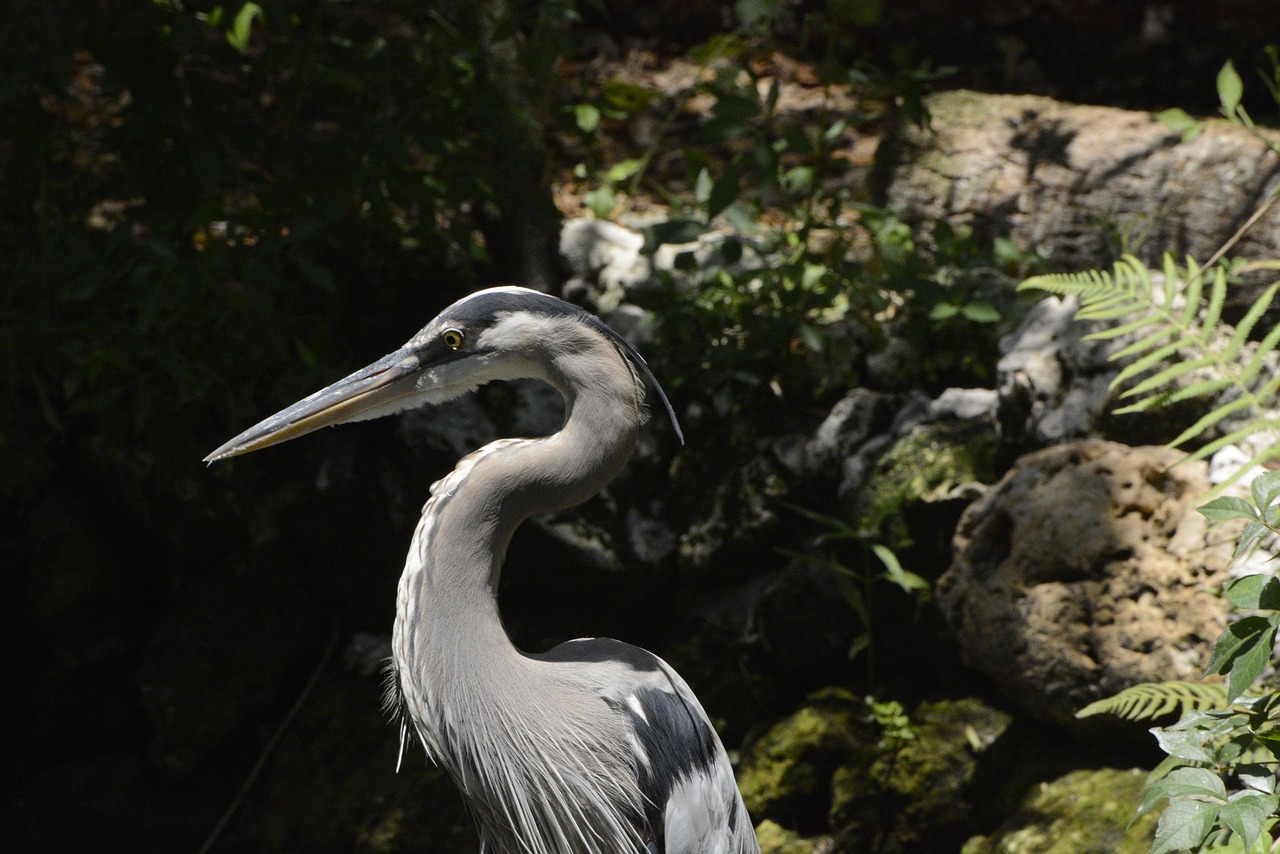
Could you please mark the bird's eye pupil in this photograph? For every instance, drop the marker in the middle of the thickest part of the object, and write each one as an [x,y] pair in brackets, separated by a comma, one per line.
[452,338]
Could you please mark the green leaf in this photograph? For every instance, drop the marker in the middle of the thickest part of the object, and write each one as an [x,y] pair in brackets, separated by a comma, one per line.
[623,169]
[908,581]
[1265,489]
[1227,507]
[1230,89]
[702,186]
[980,312]
[1178,121]
[674,231]
[1243,651]
[799,179]
[757,14]
[1247,814]
[242,26]
[1197,782]
[724,192]
[1184,742]
[600,201]
[1253,592]
[1184,824]
[587,117]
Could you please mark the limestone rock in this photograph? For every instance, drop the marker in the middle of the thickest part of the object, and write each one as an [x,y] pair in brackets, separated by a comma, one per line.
[1072,180]
[1053,383]
[1084,571]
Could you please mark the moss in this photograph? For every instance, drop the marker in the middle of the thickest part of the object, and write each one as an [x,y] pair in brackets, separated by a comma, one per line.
[774,839]
[788,777]
[880,780]
[1084,812]
[931,463]
[916,789]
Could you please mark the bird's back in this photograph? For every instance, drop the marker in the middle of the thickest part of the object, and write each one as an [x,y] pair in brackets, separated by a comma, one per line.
[691,800]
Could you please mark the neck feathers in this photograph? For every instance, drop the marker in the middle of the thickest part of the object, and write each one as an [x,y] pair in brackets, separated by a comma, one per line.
[450,650]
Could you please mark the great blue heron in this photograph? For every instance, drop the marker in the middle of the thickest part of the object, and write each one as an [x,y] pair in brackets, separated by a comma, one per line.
[595,746]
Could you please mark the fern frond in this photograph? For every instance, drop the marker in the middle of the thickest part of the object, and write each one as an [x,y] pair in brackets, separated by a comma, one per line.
[1163,332]
[1155,699]
[1217,298]
[1147,342]
[1239,435]
[1168,375]
[1260,458]
[1256,363]
[1250,319]
[1147,362]
[1208,420]
[1125,328]
[1110,307]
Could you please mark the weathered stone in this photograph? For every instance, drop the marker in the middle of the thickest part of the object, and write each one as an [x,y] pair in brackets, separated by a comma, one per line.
[856,418]
[1084,812]
[1084,571]
[914,796]
[1053,382]
[788,777]
[775,839]
[888,782]
[945,461]
[1071,180]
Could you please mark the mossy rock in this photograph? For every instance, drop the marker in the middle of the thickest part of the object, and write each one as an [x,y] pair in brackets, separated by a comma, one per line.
[1083,812]
[939,462]
[881,783]
[914,795]
[788,775]
[735,521]
[775,839]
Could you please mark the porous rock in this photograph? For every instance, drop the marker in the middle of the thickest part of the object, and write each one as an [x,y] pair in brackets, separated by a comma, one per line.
[1084,571]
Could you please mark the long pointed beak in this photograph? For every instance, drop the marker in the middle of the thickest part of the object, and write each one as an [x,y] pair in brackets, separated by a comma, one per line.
[375,387]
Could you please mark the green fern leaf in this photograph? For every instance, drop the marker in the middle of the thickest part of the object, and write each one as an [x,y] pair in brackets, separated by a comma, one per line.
[1109,309]
[1155,699]
[1217,298]
[1208,420]
[1146,343]
[1191,306]
[1171,279]
[1154,401]
[1250,319]
[1204,388]
[1133,305]
[1255,364]
[1168,375]
[1125,328]
[1231,438]
[1147,362]
[1267,454]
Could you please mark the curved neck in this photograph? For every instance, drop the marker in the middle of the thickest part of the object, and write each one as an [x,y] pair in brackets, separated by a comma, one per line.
[451,575]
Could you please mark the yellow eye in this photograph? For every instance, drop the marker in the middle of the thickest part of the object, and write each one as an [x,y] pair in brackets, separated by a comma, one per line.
[452,339]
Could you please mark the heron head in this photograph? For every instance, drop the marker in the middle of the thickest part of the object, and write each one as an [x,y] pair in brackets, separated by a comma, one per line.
[495,334]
